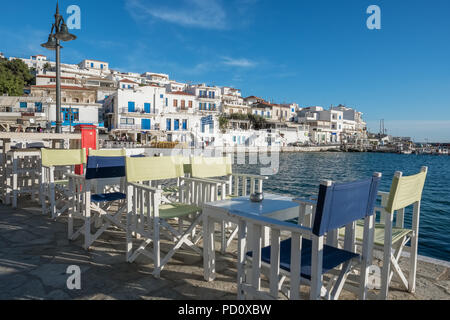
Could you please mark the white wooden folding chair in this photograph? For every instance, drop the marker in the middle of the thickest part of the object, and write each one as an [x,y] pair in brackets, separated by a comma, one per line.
[405,192]
[105,209]
[148,218]
[203,173]
[56,164]
[303,257]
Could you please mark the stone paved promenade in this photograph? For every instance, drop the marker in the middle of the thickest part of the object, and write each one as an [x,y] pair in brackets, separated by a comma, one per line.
[35,254]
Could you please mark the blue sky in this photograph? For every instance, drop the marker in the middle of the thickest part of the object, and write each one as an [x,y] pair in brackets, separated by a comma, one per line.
[313,52]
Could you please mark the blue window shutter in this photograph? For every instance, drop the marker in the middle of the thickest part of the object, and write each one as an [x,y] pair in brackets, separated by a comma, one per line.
[146,124]
[168,125]
[185,125]
[23,105]
[147,107]
[131,106]
[176,125]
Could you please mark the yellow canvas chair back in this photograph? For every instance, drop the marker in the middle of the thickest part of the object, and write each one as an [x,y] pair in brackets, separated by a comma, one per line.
[54,157]
[201,167]
[108,153]
[153,168]
[406,190]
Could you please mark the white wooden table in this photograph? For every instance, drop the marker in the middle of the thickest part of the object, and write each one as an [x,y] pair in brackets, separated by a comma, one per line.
[273,206]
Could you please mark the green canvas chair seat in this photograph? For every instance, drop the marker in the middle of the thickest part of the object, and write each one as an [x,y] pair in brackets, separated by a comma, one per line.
[176,210]
[170,190]
[397,234]
[62,182]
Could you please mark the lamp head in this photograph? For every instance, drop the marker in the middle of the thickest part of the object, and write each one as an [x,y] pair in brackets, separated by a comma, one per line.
[64,34]
[51,44]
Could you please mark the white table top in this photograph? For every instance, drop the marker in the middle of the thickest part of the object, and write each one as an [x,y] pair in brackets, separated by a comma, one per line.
[271,205]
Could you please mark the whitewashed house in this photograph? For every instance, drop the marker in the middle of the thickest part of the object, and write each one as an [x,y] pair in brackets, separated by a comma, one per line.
[209,98]
[137,108]
[326,126]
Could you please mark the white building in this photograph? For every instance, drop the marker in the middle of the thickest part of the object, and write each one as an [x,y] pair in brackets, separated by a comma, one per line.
[137,109]
[160,79]
[209,98]
[37,62]
[175,86]
[326,126]
[94,64]
[23,113]
[232,101]
[354,127]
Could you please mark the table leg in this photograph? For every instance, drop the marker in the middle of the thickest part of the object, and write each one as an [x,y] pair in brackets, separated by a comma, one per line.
[208,247]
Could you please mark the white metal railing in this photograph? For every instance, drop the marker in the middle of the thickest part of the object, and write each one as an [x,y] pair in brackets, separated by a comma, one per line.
[139,111]
[21,110]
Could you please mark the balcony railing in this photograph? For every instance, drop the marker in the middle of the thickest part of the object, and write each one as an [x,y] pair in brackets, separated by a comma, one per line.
[139,111]
[136,127]
[21,110]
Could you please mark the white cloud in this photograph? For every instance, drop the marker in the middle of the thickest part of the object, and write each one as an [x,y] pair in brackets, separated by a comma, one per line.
[240,62]
[207,14]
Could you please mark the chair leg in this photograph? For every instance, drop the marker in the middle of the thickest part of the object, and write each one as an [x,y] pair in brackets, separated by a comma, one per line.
[87,224]
[156,248]
[413,252]
[385,273]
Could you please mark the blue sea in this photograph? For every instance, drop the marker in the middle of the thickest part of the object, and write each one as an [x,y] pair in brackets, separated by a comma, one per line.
[300,175]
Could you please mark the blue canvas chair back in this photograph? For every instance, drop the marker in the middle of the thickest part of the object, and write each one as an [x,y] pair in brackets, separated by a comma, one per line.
[341,204]
[105,167]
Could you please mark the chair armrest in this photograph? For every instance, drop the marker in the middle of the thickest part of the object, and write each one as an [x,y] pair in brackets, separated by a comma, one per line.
[74,176]
[251,176]
[205,180]
[146,188]
[311,202]
[383,194]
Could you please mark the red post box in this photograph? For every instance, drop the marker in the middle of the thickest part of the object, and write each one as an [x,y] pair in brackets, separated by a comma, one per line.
[88,140]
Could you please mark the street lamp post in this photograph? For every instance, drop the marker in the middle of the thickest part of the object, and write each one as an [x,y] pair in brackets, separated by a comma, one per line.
[59,32]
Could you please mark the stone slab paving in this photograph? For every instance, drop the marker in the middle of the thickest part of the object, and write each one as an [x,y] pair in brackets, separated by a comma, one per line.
[35,254]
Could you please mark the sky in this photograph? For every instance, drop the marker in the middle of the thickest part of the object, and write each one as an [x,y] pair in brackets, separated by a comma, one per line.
[311,52]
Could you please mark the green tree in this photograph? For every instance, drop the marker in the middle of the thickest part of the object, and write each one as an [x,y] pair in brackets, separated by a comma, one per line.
[47,66]
[223,123]
[14,76]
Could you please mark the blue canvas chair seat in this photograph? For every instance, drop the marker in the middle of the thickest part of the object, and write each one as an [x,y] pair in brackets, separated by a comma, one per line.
[304,257]
[98,208]
[332,257]
[107,197]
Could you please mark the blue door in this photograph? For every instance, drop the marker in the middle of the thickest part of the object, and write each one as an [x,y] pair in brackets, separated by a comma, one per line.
[147,107]
[146,124]
[168,125]
[131,106]
[184,125]
[38,106]
[176,125]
